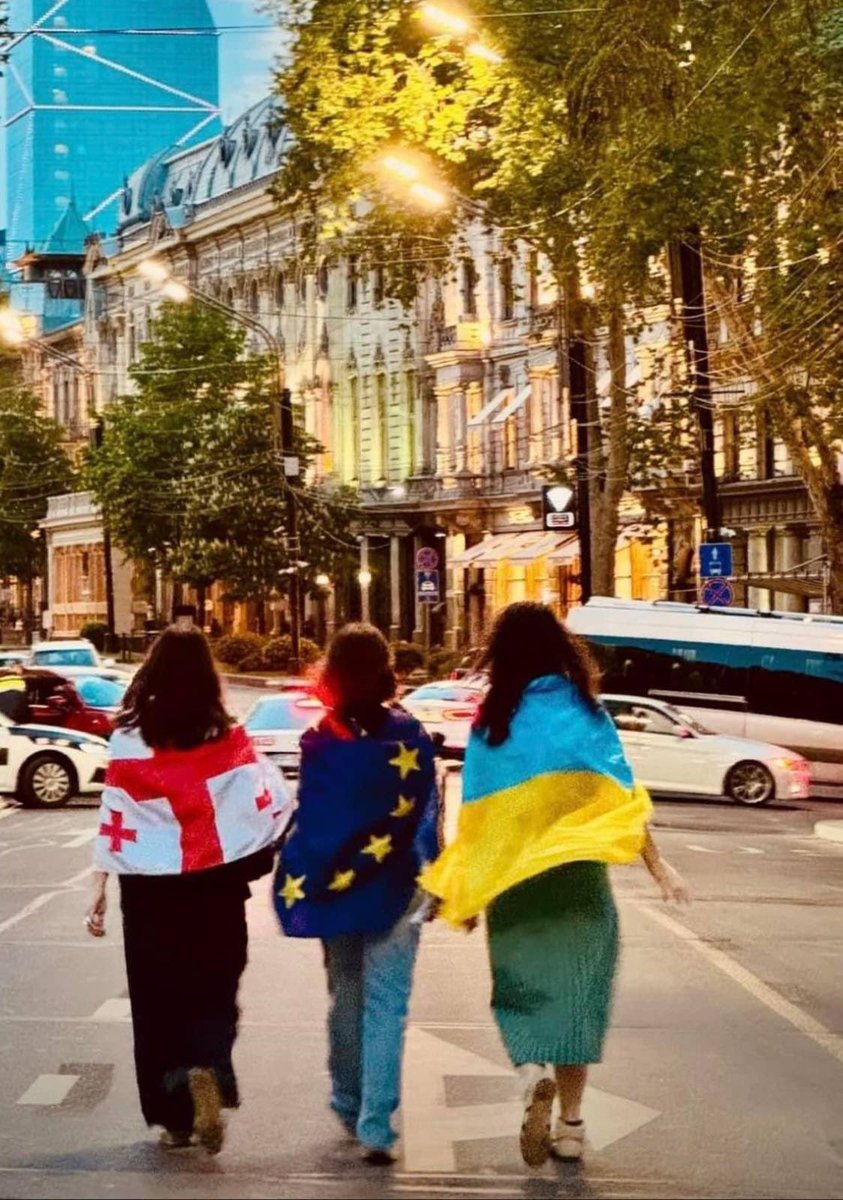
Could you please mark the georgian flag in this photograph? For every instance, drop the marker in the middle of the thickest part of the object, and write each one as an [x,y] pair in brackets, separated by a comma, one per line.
[168,812]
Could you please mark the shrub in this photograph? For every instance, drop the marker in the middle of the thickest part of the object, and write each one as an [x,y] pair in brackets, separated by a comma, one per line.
[233,648]
[95,631]
[276,653]
[441,662]
[310,652]
[407,657]
[251,663]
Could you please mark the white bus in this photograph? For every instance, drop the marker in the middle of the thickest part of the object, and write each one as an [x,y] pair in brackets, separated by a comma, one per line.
[775,677]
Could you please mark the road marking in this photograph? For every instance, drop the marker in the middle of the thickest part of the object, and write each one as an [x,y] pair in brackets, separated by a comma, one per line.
[750,850]
[6,811]
[117,1009]
[431,1128]
[48,1089]
[27,910]
[702,849]
[81,839]
[757,988]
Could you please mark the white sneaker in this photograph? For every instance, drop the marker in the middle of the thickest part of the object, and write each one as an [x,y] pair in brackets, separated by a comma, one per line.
[539,1094]
[568,1140]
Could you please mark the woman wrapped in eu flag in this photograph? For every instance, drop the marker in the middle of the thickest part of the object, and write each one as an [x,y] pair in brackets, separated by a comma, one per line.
[367,823]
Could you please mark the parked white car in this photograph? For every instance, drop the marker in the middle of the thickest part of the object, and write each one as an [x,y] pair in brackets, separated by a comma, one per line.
[44,767]
[447,707]
[76,652]
[276,724]
[672,752]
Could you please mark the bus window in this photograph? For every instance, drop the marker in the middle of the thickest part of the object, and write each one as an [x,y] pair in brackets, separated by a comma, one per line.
[790,683]
[676,670]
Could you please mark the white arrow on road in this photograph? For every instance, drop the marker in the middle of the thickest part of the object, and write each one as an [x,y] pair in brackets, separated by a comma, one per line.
[432,1129]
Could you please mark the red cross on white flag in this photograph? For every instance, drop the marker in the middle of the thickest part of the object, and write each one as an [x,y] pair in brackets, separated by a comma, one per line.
[165,812]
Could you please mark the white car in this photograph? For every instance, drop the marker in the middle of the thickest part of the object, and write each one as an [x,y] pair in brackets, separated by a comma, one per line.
[74,653]
[45,767]
[276,724]
[447,707]
[672,752]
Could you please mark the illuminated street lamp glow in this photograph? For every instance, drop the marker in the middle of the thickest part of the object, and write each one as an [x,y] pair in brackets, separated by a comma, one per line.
[323,580]
[478,50]
[364,578]
[175,291]
[153,270]
[400,166]
[444,20]
[12,331]
[431,197]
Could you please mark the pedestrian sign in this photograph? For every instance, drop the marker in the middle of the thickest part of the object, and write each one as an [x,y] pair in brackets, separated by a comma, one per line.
[718,593]
[715,560]
[427,587]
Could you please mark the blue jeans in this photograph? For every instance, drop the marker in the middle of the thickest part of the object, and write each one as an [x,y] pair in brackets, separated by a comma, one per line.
[369,980]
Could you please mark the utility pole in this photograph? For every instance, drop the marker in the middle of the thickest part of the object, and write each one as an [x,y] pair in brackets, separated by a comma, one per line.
[688,284]
[108,566]
[286,430]
[578,385]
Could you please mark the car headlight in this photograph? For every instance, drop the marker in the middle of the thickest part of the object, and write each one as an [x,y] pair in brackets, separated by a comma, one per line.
[91,748]
[795,765]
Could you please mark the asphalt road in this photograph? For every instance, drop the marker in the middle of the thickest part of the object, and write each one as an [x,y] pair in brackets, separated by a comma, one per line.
[723,1075]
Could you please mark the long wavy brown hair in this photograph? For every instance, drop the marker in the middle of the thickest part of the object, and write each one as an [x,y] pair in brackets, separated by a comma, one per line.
[528,641]
[175,700]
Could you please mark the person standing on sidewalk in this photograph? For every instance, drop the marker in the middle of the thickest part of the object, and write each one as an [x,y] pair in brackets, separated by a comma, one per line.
[549,800]
[190,817]
[366,823]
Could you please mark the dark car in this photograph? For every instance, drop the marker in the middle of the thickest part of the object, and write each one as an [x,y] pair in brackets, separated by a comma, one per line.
[87,703]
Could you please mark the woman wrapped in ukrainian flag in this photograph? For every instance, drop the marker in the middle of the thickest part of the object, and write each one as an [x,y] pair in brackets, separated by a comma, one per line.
[549,801]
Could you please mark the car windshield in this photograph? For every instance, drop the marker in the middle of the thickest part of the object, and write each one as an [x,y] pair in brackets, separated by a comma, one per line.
[101,693]
[284,712]
[685,718]
[449,692]
[65,658]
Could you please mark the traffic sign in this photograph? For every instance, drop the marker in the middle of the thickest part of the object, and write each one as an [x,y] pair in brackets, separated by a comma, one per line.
[559,507]
[427,559]
[427,587]
[715,560]
[718,593]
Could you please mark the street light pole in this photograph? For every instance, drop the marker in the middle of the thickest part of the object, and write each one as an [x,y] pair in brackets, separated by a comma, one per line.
[283,428]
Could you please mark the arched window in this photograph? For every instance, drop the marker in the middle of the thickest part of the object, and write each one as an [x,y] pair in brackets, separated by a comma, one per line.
[229,297]
[280,285]
[254,298]
[324,278]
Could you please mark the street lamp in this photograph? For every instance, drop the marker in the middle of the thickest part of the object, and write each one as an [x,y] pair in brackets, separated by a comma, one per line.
[444,20]
[282,416]
[410,172]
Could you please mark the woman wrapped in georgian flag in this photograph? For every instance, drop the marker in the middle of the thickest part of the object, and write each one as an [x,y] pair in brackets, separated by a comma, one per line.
[189,818]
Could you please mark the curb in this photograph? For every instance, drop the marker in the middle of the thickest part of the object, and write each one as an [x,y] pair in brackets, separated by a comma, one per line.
[250,681]
[829,831]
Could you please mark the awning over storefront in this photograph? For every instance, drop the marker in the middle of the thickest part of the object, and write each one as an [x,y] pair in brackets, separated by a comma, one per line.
[513,407]
[497,400]
[519,547]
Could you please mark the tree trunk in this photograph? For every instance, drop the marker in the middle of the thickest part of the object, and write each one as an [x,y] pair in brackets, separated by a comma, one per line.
[609,460]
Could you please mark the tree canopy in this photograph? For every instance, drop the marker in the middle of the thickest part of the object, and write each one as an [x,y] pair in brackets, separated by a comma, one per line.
[187,474]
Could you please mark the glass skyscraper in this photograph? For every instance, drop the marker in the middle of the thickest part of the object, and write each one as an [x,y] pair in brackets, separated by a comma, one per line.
[91,96]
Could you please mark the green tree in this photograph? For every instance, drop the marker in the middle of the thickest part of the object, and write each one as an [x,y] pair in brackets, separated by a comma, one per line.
[604,133]
[187,473]
[33,466]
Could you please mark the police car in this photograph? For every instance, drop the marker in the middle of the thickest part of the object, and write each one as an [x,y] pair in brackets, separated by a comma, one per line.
[45,767]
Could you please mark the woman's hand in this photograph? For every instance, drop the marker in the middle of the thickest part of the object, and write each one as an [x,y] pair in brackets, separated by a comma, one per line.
[470,925]
[95,920]
[671,884]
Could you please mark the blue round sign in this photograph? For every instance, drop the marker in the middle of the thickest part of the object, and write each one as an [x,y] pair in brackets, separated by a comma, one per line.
[718,593]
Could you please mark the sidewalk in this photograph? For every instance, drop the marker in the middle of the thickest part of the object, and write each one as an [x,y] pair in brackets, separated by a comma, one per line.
[830,831]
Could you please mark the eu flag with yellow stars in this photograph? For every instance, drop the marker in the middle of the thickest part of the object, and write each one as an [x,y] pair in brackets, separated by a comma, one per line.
[367,823]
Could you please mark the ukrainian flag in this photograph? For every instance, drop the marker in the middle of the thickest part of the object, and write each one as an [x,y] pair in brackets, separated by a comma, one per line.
[558,790]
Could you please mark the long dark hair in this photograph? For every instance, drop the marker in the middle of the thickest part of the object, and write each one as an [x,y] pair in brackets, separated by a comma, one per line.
[357,678]
[528,641]
[175,700]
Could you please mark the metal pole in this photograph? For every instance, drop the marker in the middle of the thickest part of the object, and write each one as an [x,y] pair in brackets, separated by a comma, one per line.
[579,411]
[108,566]
[687,269]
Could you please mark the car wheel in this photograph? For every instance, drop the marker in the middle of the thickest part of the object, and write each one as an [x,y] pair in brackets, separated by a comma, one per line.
[750,783]
[47,781]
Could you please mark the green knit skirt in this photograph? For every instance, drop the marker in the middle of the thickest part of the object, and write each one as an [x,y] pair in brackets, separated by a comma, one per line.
[553,944]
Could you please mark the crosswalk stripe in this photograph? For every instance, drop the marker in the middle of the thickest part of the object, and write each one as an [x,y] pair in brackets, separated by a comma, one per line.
[48,1089]
[116,1009]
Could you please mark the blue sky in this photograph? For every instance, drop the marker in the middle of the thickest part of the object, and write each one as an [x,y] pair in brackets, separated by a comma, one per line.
[245,64]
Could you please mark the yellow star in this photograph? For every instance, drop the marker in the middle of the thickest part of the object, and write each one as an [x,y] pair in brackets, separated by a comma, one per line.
[342,881]
[379,847]
[406,762]
[292,890]
[405,807]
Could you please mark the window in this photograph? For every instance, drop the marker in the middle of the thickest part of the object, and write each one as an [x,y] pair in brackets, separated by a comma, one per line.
[797,684]
[379,284]
[699,674]
[324,278]
[412,422]
[731,445]
[280,284]
[380,459]
[533,276]
[254,298]
[297,714]
[640,718]
[507,290]
[301,284]
[469,287]
[352,281]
